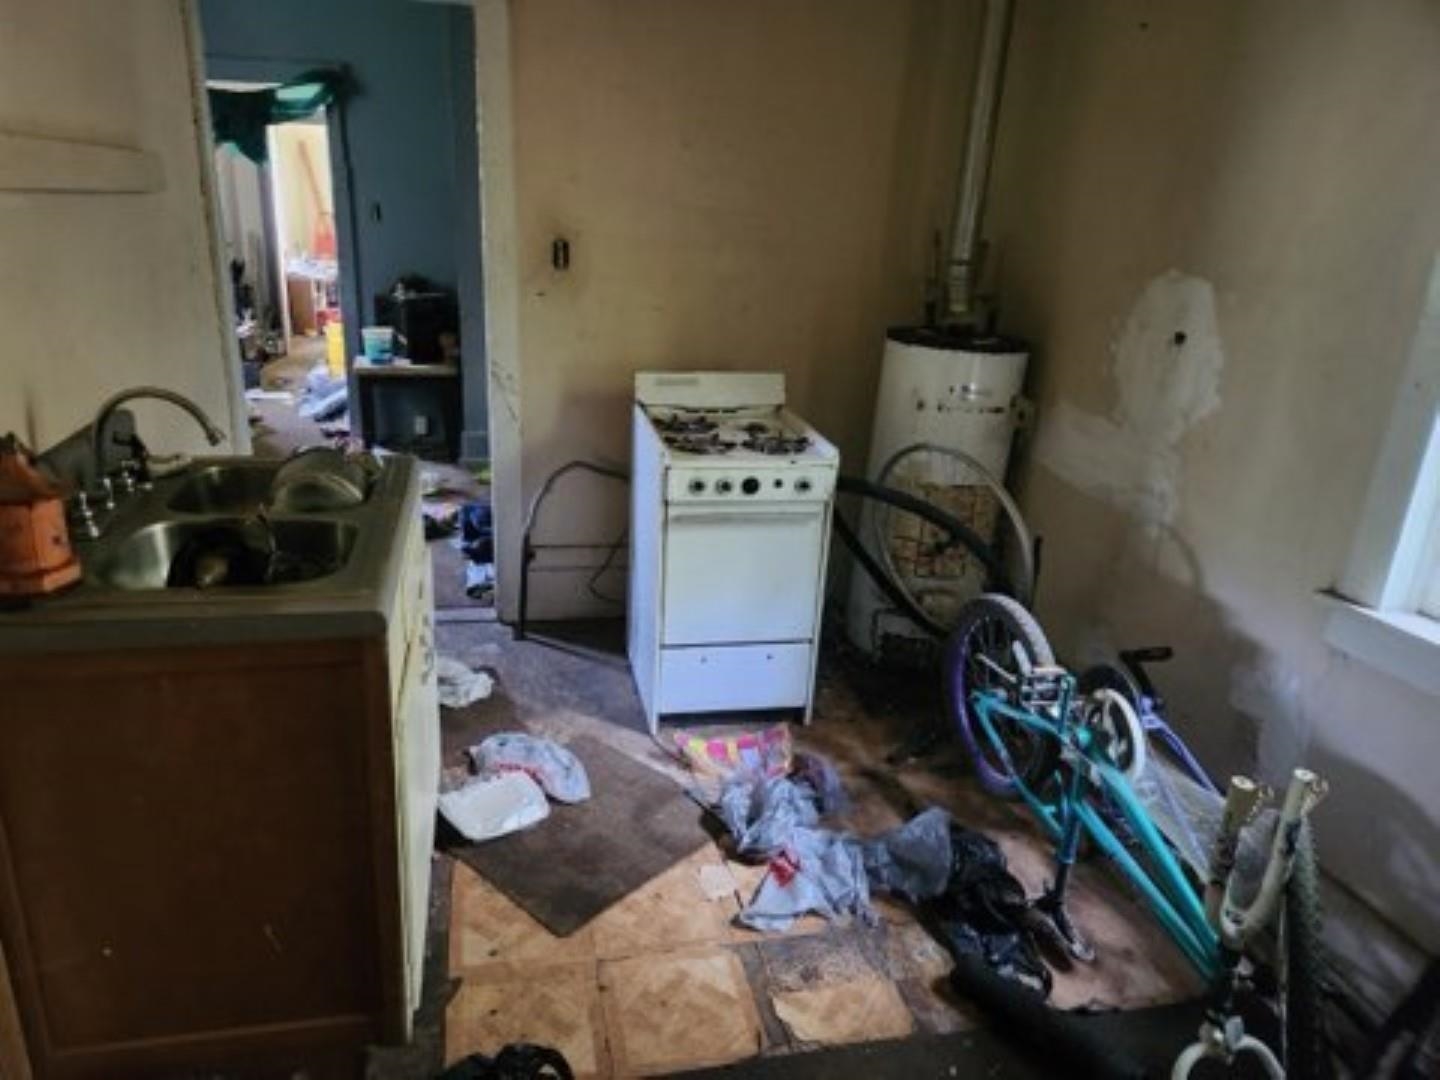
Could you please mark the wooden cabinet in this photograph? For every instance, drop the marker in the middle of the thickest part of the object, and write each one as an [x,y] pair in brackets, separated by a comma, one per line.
[219,854]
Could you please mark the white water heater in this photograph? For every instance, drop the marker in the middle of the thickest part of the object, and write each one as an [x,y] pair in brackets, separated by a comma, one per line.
[954,390]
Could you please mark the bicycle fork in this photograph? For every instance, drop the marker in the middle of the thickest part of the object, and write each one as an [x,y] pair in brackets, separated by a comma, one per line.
[1051,903]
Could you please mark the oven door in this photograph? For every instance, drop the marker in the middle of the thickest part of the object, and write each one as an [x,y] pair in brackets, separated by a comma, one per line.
[737,575]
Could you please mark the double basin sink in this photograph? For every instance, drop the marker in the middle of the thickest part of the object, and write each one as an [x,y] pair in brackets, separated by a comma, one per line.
[203,507]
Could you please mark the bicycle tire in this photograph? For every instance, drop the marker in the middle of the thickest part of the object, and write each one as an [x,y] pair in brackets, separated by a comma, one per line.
[996,578]
[1307,1043]
[960,651]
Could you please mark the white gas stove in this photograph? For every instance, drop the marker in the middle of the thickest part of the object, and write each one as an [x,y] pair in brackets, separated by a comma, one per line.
[729,530]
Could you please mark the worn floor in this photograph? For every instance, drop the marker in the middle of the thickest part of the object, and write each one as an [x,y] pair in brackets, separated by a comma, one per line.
[664,982]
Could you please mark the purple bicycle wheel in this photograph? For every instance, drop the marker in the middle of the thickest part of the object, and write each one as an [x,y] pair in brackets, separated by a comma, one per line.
[990,627]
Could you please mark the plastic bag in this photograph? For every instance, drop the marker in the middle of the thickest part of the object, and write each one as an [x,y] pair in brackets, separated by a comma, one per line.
[552,766]
[750,753]
[491,806]
[459,685]
[914,860]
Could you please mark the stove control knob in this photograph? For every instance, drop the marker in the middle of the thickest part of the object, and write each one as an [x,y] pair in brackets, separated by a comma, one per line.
[803,485]
[750,485]
[724,487]
[697,486]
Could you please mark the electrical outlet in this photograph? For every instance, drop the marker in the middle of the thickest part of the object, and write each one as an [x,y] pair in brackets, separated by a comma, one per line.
[422,424]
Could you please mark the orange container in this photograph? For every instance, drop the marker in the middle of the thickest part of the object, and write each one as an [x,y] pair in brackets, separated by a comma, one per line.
[35,553]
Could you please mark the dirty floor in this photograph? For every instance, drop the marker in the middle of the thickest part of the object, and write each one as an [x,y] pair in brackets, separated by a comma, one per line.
[664,982]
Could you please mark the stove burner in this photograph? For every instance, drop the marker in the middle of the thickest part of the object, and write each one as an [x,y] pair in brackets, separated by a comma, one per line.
[686,424]
[699,443]
[774,443]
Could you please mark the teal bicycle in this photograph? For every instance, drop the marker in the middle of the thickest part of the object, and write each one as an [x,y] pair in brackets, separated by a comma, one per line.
[1080,762]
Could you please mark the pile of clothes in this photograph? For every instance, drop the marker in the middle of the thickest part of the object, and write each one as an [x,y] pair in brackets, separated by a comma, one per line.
[956,876]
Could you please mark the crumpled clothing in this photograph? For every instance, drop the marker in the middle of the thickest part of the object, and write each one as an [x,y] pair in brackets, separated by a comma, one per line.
[914,860]
[820,872]
[763,815]
[459,685]
[558,771]
[825,871]
[983,911]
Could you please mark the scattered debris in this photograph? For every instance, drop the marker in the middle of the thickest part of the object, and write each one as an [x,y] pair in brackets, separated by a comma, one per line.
[982,912]
[491,806]
[820,870]
[326,397]
[716,882]
[755,753]
[459,685]
[519,1061]
[956,876]
[477,544]
[552,766]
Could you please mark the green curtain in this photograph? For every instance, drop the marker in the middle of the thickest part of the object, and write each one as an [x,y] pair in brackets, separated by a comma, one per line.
[240,117]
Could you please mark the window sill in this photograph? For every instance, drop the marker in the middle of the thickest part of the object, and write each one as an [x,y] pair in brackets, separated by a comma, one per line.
[1403,645]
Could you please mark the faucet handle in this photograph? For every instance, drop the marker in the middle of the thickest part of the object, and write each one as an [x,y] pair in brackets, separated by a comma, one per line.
[84,516]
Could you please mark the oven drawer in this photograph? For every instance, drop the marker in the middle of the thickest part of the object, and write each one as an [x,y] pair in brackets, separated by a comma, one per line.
[742,576]
[707,679]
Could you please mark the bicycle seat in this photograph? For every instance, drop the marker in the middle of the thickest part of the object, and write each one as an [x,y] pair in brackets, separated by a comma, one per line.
[1151,654]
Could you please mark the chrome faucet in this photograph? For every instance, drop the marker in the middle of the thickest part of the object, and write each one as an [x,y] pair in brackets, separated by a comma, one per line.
[102,419]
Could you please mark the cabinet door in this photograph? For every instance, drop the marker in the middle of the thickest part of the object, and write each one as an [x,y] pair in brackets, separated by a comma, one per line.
[417,759]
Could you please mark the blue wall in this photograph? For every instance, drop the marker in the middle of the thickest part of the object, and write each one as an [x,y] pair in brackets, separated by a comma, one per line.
[410,127]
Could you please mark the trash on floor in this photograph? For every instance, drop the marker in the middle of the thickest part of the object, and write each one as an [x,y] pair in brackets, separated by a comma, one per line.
[716,881]
[585,858]
[519,1061]
[477,544]
[326,397]
[982,912]
[549,764]
[440,518]
[460,686]
[757,753]
[817,870]
[491,806]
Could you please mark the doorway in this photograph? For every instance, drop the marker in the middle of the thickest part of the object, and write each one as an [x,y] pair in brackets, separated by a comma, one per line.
[278,223]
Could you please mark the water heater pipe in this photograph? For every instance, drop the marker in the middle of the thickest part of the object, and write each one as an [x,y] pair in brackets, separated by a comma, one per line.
[962,278]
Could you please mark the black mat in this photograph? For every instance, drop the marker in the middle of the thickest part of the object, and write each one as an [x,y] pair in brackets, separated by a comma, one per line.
[581,859]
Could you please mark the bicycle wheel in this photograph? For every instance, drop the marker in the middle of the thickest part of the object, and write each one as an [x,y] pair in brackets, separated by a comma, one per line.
[1301,963]
[989,628]
[1113,719]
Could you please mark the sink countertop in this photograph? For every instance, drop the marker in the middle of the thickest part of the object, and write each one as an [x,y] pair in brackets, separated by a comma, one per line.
[354,601]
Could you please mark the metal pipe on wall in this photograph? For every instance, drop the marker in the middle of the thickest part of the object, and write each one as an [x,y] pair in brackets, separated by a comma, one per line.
[963,272]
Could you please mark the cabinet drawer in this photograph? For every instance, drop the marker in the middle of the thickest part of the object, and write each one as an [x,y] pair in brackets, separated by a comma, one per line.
[707,678]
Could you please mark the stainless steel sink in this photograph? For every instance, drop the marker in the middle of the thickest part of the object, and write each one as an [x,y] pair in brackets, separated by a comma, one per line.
[305,550]
[224,489]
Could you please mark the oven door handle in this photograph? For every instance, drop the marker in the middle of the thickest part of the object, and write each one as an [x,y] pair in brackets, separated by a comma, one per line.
[718,516]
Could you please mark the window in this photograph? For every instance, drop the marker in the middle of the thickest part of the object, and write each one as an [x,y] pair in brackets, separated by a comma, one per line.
[1387,610]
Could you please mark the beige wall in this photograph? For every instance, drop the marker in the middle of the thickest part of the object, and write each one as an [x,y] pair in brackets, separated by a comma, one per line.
[743,185]
[299,213]
[103,291]
[1284,158]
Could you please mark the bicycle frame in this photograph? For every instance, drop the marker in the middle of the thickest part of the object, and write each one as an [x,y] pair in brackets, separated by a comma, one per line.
[1169,894]
[1211,929]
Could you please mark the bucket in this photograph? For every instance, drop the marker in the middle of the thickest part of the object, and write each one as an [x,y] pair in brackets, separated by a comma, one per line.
[335,349]
[379,343]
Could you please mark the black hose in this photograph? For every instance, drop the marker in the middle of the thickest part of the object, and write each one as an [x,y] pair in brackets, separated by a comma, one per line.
[1061,1043]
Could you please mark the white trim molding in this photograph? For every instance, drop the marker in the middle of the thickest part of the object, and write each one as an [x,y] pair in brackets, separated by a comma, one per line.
[1401,644]
[1376,614]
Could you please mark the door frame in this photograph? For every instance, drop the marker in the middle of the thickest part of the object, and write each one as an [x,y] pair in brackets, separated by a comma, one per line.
[280,70]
